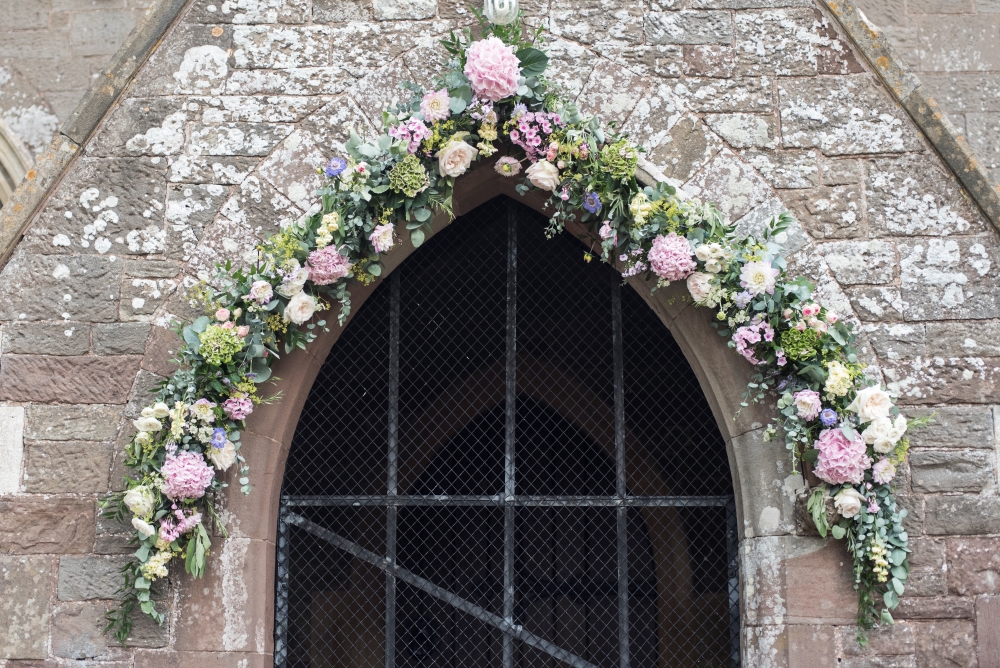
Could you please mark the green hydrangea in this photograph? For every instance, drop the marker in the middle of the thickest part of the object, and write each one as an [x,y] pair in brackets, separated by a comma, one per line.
[219,345]
[619,159]
[799,345]
[408,176]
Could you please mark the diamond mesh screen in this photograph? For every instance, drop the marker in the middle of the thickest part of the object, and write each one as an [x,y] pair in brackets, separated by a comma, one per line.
[506,462]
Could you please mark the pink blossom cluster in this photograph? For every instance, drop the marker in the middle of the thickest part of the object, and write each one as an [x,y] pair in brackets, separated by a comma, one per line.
[492,68]
[412,131]
[532,130]
[841,460]
[171,531]
[238,407]
[327,265]
[748,336]
[186,475]
[671,257]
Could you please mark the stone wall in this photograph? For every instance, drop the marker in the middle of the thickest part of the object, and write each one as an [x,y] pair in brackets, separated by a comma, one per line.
[755,104]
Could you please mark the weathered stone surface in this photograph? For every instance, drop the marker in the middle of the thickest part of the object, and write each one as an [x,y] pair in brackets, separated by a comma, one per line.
[81,288]
[688,27]
[24,606]
[842,115]
[62,467]
[746,95]
[291,168]
[340,11]
[964,45]
[732,184]
[813,645]
[964,514]
[597,21]
[94,422]
[394,10]
[611,93]
[785,169]
[83,578]
[280,47]
[964,92]
[973,566]
[143,127]
[48,338]
[197,63]
[944,607]
[876,303]
[925,584]
[943,279]
[47,526]
[852,262]
[250,11]
[127,338]
[254,108]
[745,130]
[175,659]
[143,393]
[969,380]
[898,341]
[294,81]
[330,126]
[951,471]
[885,641]
[777,42]
[913,196]
[769,502]
[250,139]
[946,643]
[190,208]
[841,172]
[67,379]
[685,149]
[709,60]
[654,117]
[142,297]
[77,631]
[979,338]
[828,212]
[224,170]
[11,448]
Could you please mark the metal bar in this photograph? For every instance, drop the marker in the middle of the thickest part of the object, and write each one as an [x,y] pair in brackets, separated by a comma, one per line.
[733,549]
[508,629]
[391,513]
[621,487]
[510,487]
[281,589]
[522,501]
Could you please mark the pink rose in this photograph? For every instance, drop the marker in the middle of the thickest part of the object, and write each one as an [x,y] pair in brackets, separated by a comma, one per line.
[492,68]
[242,331]
[222,315]
[807,404]
[841,460]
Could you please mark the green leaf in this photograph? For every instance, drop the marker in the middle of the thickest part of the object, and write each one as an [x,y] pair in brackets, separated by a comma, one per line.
[887,618]
[838,531]
[260,367]
[378,190]
[897,557]
[200,324]
[422,214]
[897,586]
[417,237]
[457,105]
[192,340]
[891,599]
[533,61]
[375,269]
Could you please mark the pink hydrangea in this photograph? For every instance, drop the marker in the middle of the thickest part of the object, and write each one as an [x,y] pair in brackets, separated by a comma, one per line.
[327,265]
[413,132]
[186,475]
[807,404]
[237,408]
[841,460]
[884,471]
[748,336]
[492,68]
[671,257]
[436,105]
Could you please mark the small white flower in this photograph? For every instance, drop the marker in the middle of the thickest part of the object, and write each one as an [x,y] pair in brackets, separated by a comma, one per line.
[160,410]
[144,528]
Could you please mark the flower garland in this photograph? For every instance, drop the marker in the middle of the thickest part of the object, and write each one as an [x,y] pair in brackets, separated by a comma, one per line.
[832,413]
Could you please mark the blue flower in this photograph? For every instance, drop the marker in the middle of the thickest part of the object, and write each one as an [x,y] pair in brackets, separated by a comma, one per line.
[335,167]
[828,417]
[592,202]
[218,438]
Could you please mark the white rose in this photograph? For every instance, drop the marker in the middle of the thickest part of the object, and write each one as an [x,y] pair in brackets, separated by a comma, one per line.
[223,457]
[300,308]
[455,158]
[699,284]
[543,174]
[713,266]
[883,435]
[144,528]
[871,403]
[294,280]
[148,423]
[898,428]
[140,500]
[848,502]
[160,410]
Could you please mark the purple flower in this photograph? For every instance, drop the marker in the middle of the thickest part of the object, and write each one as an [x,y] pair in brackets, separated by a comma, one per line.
[218,438]
[592,202]
[335,167]
[828,417]
[743,299]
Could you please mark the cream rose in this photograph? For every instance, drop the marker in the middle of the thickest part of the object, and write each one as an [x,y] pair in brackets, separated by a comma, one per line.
[145,529]
[543,174]
[224,457]
[699,284]
[140,500]
[300,308]
[147,423]
[160,410]
[294,280]
[455,158]
[848,502]
[883,434]
[871,403]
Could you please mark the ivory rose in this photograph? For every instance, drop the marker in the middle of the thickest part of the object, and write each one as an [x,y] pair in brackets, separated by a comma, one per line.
[543,174]
[455,158]
[224,457]
[871,403]
[848,502]
[145,529]
[147,423]
[300,308]
[883,433]
[141,501]
[699,284]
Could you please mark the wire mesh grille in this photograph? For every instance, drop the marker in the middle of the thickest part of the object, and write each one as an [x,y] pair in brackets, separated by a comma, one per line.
[506,462]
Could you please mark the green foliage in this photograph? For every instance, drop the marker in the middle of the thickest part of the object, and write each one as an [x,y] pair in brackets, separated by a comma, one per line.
[800,345]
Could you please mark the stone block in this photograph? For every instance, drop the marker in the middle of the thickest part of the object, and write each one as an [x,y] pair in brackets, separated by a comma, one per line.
[60,467]
[395,10]
[142,297]
[981,132]
[80,288]
[946,643]
[748,4]
[254,11]
[67,379]
[100,32]
[47,526]
[828,212]
[954,427]
[951,470]
[926,584]
[685,148]
[884,641]
[248,139]
[688,27]
[973,564]
[897,341]
[11,448]
[128,338]
[978,338]
[876,303]
[884,12]
[24,606]
[602,94]
[913,195]
[83,578]
[810,645]
[940,7]
[853,262]
[224,170]
[788,48]
[709,60]
[22,16]
[943,607]
[190,209]
[228,659]
[988,631]
[597,21]
[964,92]
[341,11]
[46,338]
[291,168]
[733,185]
[143,393]
[78,631]
[744,95]
[969,380]
[961,45]
[93,422]
[272,47]
[745,130]
[196,63]
[785,169]
[926,554]
[950,279]
[963,514]
[843,115]
[841,172]
[826,600]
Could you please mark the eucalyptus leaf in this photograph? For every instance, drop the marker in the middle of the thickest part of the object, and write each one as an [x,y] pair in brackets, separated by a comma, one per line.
[838,531]
[417,237]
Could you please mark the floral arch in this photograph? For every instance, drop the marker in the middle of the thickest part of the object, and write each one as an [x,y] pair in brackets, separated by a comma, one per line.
[387,196]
